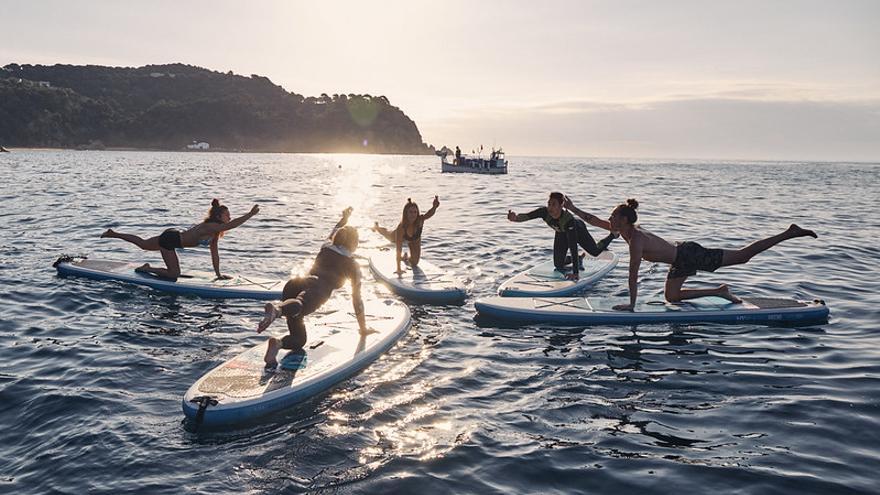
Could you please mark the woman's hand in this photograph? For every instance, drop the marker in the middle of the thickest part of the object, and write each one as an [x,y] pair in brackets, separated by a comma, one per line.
[566,202]
[436,201]
[572,276]
[255,210]
[511,215]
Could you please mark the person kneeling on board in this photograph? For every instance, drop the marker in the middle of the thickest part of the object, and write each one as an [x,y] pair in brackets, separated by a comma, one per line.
[302,296]
[569,233]
[410,230]
[686,258]
[215,225]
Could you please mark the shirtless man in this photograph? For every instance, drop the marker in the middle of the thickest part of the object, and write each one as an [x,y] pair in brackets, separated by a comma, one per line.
[213,227]
[685,259]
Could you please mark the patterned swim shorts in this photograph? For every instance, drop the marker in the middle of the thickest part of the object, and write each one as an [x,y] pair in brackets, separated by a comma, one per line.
[691,257]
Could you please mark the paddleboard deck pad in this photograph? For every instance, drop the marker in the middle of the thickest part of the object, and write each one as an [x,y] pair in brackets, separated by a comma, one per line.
[598,311]
[241,389]
[193,282]
[545,280]
[425,283]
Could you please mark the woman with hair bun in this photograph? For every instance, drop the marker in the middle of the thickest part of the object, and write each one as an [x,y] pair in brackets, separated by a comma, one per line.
[410,230]
[212,228]
[302,296]
[685,258]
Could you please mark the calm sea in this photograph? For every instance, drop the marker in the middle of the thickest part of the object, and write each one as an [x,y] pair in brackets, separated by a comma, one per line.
[92,373]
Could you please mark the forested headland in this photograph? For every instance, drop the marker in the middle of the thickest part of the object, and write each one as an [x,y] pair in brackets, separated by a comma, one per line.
[169,106]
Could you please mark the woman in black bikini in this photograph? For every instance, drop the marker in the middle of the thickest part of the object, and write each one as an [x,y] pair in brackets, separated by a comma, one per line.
[213,227]
[410,230]
[302,296]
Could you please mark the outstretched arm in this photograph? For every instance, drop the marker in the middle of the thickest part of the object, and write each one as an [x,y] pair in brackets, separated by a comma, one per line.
[536,213]
[235,222]
[635,260]
[430,213]
[342,221]
[587,217]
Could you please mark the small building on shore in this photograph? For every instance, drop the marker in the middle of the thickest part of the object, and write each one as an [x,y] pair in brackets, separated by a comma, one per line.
[198,146]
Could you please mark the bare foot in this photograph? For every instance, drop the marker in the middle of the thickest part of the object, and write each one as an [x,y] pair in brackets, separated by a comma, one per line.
[367,331]
[145,268]
[375,227]
[271,353]
[271,314]
[796,231]
[724,291]
[108,233]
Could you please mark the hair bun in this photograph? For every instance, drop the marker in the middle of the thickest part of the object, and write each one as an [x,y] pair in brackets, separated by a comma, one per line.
[409,200]
[632,203]
[215,203]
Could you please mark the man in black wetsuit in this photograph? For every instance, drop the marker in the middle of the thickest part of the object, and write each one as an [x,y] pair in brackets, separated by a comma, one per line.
[570,232]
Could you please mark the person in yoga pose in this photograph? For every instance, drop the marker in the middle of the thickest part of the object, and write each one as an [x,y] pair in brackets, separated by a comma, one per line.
[302,296]
[410,230]
[214,226]
[569,233]
[686,258]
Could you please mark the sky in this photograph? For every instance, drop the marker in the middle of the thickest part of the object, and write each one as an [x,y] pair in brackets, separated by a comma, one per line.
[764,80]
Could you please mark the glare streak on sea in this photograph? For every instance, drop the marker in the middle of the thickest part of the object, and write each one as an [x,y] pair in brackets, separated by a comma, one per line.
[92,373]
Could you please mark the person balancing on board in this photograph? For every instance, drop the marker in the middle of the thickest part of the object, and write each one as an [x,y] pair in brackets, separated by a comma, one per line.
[686,258]
[569,233]
[302,296]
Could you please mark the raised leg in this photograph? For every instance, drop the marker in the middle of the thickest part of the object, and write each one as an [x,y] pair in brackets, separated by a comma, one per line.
[740,256]
[388,234]
[587,242]
[151,244]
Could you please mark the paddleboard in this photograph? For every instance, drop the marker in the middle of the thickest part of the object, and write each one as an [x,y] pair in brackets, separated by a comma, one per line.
[424,283]
[192,282]
[545,280]
[597,310]
[242,390]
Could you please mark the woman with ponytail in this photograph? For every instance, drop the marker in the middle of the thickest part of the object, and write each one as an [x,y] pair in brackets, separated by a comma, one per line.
[216,223]
[410,230]
[685,258]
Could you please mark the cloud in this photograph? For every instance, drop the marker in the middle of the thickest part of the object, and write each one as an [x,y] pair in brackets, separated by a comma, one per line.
[748,126]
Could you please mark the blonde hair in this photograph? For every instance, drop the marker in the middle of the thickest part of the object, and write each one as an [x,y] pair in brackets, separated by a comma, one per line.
[346,237]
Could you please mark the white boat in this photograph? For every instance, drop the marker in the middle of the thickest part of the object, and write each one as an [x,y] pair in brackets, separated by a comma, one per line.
[494,165]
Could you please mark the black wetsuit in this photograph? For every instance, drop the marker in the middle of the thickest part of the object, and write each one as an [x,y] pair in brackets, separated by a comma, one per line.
[329,272]
[570,232]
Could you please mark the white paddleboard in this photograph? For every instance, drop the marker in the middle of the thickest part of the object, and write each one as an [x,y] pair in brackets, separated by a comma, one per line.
[425,283]
[545,280]
[597,310]
[197,283]
[241,389]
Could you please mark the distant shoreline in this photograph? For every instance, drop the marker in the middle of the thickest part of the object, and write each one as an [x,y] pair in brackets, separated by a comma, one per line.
[217,150]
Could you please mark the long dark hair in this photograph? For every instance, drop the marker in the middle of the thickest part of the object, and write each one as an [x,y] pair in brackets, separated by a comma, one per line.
[409,204]
[215,213]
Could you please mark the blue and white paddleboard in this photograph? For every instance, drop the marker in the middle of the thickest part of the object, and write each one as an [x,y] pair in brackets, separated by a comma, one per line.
[597,310]
[194,282]
[545,280]
[424,283]
[241,389]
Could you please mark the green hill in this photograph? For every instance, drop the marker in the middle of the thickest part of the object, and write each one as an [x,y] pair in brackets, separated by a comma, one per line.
[169,106]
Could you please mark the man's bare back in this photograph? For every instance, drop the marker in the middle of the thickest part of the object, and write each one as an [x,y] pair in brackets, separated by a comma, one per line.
[654,247]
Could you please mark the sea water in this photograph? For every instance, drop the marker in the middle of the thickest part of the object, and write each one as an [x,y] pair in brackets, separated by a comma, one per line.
[92,373]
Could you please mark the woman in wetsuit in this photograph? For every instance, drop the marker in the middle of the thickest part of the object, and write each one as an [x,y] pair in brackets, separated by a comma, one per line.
[569,233]
[410,230]
[686,258]
[213,227]
[302,296]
